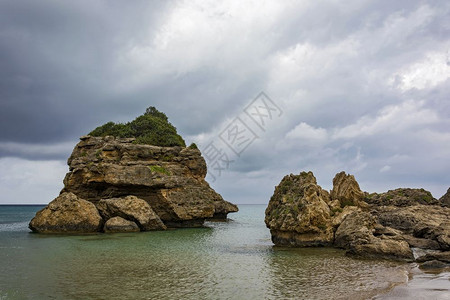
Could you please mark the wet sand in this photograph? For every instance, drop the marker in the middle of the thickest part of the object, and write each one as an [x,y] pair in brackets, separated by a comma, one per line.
[422,284]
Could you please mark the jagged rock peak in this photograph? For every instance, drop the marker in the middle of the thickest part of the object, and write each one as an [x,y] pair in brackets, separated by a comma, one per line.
[346,190]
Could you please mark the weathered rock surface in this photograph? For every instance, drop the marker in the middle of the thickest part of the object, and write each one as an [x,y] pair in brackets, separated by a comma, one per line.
[402,198]
[359,234]
[67,214]
[119,224]
[346,190]
[445,200]
[429,223]
[169,181]
[433,264]
[133,209]
[440,256]
[300,213]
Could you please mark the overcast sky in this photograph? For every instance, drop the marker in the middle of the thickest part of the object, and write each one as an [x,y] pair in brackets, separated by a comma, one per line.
[362,86]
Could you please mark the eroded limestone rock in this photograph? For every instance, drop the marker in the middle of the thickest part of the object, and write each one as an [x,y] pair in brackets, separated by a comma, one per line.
[119,224]
[67,213]
[133,209]
[155,187]
[300,213]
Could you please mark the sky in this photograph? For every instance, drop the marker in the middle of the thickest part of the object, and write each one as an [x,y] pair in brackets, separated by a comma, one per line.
[357,86]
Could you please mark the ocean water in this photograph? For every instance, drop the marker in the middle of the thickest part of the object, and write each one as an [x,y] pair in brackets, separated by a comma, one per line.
[228,260]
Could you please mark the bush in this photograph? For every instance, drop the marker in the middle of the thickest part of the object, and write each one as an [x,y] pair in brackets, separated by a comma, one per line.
[152,128]
[193,146]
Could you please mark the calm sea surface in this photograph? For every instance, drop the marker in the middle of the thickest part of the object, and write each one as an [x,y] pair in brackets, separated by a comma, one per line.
[232,260]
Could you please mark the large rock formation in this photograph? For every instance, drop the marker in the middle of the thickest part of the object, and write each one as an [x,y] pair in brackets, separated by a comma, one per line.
[388,225]
[154,187]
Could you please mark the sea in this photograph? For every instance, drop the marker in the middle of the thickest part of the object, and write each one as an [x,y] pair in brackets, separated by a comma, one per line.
[224,260]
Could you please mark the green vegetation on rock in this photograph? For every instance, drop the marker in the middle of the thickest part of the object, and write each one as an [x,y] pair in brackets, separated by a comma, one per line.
[152,128]
[193,146]
[159,169]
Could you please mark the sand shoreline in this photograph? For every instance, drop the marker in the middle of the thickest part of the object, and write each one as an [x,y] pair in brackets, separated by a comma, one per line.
[420,284]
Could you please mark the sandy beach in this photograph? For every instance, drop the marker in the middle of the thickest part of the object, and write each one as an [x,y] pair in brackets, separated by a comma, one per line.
[421,284]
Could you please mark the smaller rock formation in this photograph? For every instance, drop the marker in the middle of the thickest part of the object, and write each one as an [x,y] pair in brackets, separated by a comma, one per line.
[433,265]
[119,224]
[67,214]
[298,213]
[301,214]
[346,190]
[401,198]
[359,234]
[131,208]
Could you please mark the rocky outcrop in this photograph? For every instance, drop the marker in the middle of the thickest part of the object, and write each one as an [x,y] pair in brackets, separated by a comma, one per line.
[119,224]
[424,226]
[346,190]
[360,235]
[155,187]
[445,200]
[67,214]
[298,213]
[401,198]
[388,225]
[133,209]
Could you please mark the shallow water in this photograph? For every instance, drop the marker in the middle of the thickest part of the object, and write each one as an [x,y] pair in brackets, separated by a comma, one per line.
[232,260]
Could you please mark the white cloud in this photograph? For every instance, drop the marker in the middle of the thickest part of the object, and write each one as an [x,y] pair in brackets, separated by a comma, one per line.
[30,182]
[363,86]
[390,119]
[308,134]
[385,169]
[198,35]
[431,71]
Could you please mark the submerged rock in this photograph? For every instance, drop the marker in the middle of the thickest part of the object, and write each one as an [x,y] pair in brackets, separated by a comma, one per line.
[67,214]
[155,187]
[300,213]
[433,264]
[440,256]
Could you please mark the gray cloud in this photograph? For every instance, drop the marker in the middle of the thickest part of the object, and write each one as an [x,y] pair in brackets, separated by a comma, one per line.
[363,84]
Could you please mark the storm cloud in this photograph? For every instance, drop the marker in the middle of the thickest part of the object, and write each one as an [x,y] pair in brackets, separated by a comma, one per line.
[363,86]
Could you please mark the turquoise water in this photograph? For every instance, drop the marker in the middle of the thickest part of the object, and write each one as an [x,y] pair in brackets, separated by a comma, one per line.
[231,260]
